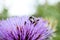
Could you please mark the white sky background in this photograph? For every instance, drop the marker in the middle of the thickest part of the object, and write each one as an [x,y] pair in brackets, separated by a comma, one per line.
[22,7]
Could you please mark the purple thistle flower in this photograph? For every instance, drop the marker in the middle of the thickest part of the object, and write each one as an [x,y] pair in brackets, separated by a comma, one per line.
[25,28]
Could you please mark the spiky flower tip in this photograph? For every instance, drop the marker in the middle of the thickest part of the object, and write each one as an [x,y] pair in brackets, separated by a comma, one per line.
[25,28]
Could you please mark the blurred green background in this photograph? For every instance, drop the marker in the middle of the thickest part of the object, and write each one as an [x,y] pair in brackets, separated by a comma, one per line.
[46,10]
[4,14]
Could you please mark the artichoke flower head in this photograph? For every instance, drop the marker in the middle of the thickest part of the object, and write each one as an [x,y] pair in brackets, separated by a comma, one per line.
[25,28]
